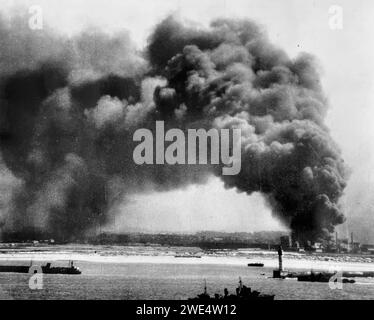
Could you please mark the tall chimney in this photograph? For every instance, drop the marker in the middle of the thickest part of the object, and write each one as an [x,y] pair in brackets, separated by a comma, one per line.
[278,273]
[280,252]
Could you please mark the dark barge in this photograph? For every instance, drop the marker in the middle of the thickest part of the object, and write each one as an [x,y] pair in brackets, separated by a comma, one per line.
[256,264]
[48,269]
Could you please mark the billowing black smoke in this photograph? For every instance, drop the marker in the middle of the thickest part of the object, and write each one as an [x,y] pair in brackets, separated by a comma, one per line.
[68,114]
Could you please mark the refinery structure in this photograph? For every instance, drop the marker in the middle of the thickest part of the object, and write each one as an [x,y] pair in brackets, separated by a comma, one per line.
[332,245]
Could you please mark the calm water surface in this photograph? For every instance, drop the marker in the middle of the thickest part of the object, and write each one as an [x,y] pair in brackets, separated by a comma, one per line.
[168,281]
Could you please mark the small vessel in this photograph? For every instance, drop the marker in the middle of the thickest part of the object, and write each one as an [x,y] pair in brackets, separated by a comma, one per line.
[256,264]
[187,255]
[345,280]
[204,295]
[61,270]
[48,269]
[17,269]
[315,277]
[321,277]
[242,293]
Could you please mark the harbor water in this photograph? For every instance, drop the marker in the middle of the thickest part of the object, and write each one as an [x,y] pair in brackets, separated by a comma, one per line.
[113,280]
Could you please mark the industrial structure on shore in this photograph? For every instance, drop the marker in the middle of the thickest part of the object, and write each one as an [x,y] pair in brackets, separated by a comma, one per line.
[335,245]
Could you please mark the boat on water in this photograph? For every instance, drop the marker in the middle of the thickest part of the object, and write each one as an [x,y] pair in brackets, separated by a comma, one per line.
[315,277]
[321,277]
[242,293]
[48,269]
[187,256]
[256,264]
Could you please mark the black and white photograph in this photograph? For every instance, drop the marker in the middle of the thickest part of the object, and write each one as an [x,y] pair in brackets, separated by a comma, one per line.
[216,152]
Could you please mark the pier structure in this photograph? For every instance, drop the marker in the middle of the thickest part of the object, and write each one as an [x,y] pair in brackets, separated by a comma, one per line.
[278,273]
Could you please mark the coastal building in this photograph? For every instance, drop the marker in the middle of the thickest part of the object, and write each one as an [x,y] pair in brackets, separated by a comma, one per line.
[367,248]
[317,247]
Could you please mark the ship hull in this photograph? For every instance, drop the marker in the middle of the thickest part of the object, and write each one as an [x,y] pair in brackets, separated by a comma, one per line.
[46,270]
[16,269]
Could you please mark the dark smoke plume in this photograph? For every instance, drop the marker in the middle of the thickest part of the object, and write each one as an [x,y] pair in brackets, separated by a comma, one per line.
[68,114]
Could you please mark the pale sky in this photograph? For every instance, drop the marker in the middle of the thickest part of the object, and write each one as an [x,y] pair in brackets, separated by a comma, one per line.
[346,57]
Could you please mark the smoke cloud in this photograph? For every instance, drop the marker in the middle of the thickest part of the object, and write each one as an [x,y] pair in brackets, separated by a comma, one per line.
[69,108]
